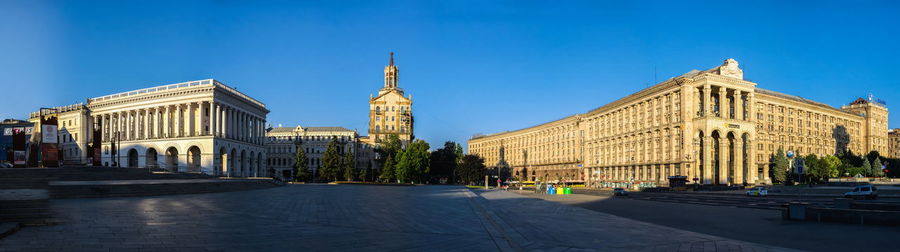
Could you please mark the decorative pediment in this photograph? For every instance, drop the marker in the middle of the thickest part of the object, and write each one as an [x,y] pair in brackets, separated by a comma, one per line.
[731,69]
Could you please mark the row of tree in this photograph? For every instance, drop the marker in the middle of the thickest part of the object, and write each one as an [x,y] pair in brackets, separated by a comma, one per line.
[820,169]
[335,166]
[409,163]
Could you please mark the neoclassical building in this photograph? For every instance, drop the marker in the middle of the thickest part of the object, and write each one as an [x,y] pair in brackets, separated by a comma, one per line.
[282,145]
[390,112]
[195,126]
[712,127]
[894,143]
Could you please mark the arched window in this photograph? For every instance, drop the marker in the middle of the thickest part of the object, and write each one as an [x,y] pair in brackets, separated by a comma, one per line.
[377,110]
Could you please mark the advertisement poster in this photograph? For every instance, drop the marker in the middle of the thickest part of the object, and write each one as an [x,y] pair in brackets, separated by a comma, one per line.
[49,134]
[7,132]
[19,157]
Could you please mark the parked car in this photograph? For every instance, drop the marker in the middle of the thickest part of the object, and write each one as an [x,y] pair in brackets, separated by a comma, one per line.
[620,192]
[758,191]
[863,191]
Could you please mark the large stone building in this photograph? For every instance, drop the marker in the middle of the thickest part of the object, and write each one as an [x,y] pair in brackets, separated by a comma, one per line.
[390,112]
[712,127]
[282,144]
[894,143]
[195,126]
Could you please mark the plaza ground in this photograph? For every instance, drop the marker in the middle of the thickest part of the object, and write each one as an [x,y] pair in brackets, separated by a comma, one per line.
[351,218]
[741,221]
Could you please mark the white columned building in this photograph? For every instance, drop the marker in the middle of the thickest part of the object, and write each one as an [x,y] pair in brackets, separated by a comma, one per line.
[196,126]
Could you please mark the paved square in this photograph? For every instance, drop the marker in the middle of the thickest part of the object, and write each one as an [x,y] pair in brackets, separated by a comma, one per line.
[348,217]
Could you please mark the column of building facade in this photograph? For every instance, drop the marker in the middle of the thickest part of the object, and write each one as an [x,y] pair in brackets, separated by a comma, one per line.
[133,125]
[127,125]
[739,160]
[707,158]
[239,117]
[707,97]
[723,107]
[224,122]
[232,123]
[123,126]
[200,127]
[166,132]
[123,122]
[723,157]
[213,117]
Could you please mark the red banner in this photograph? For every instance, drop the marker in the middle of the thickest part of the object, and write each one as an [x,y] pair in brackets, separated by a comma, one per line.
[50,155]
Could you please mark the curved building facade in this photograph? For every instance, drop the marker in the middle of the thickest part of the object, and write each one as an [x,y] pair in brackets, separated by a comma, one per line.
[712,127]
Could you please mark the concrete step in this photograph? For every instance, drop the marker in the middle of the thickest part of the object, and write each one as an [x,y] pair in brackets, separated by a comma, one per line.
[143,189]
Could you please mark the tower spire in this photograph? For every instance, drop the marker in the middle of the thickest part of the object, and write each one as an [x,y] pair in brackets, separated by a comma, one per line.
[392,58]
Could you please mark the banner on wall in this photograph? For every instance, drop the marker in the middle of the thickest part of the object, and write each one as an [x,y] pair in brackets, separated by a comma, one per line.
[49,134]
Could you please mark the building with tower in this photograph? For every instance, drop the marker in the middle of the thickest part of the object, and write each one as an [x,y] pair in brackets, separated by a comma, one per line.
[390,112]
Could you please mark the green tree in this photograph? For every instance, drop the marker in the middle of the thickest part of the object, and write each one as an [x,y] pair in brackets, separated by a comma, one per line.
[443,163]
[331,162]
[387,152]
[364,175]
[814,170]
[387,171]
[872,156]
[349,165]
[876,168]
[301,165]
[779,170]
[414,162]
[866,168]
[471,169]
[830,165]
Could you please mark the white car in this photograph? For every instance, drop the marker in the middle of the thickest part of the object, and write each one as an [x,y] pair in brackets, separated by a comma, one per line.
[863,191]
[758,191]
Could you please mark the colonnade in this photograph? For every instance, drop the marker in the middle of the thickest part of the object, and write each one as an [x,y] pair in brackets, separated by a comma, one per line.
[192,119]
[738,104]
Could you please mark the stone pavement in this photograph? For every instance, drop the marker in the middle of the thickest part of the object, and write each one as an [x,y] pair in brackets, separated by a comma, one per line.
[349,217]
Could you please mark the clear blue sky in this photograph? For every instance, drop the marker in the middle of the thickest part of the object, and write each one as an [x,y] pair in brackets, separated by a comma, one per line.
[471,66]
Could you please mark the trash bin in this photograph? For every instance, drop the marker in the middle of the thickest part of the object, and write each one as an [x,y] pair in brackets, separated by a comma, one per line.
[568,190]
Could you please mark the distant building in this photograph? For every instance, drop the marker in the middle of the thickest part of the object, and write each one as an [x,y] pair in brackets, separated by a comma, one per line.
[893,144]
[390,112]
[282,144]
[712,127]
[7,128]
[195,126]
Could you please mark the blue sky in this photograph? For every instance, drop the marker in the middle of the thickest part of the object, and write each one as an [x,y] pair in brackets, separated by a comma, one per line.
[471,66]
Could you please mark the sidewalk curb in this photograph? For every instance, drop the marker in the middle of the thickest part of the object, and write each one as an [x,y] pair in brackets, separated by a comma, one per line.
[497,227]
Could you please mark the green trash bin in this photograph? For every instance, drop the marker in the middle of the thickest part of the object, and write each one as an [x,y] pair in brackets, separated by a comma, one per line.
[568,190]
